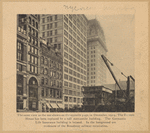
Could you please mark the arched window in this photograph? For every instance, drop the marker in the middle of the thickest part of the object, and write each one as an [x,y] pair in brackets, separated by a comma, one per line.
[33,81]
[42,60]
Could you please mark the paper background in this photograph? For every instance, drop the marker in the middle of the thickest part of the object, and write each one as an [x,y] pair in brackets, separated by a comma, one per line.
[10,120]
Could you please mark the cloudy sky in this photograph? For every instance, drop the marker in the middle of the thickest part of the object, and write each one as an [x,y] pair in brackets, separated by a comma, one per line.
[120,40]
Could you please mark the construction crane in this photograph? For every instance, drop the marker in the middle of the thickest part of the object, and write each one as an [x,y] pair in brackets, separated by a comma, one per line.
[127,95]
[106,62]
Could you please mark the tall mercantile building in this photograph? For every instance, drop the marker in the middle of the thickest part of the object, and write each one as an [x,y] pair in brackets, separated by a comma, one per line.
[96,46]
[68,33]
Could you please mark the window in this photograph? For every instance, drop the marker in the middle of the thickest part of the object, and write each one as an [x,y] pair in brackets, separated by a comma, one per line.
[45,71]
[43,27]
[47,19]
[55,17]
[65,76]
[19,56]
[42,80]
[55,32]
[65,83]
[51,25]
[66,69]
[55,24]
[42,92]
[43,34]
[47,33]
[55,39]
[43,20]
[19,46]
[51,18]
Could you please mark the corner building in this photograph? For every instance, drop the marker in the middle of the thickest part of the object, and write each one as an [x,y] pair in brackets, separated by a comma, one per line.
[96,46]
[68,33]
[27,62]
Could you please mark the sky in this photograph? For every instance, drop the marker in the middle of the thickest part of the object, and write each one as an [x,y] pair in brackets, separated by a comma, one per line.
[120,40]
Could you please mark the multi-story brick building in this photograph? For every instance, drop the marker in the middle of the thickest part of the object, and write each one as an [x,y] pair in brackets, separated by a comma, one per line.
[51,74]
[96,46]
[27,62]
[69,34]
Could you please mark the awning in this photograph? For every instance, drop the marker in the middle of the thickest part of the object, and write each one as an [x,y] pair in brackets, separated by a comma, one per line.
[48,105]
[60,105]
[54,105]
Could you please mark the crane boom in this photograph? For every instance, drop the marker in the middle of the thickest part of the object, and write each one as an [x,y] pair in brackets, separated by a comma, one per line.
[105,60]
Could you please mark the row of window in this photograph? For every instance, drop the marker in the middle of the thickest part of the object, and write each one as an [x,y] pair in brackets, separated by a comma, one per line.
[33,40]
[92,60]
[91,64]
[19,56]
[92,73]
[75,48]
[53,83]
[74,67]
[49,19]
[80,38]
[80,50]
[33,59]
[50,26]
[33,32]
[74,61]
[73,36]
[74,73]
[71,99]
[33,69]
[71,92]
[51,63]
[33,23]
[73,25]
[51,93]
[51,73]
[92,56]
[75,80]
[32,49]
[54,39]
[71,85]
[50,33]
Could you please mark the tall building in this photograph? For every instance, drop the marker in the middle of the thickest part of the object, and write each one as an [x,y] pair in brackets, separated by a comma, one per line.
[96,46]
[27,62]
[68,33]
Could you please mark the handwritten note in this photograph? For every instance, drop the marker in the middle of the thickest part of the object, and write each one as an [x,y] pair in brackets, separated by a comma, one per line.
[75,8]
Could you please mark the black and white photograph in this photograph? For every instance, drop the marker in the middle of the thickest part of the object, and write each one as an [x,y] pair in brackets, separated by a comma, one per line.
[75,63]
[75,66]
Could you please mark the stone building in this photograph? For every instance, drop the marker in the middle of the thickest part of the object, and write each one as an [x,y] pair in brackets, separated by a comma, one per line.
[27,62]
[51,77]
[96,46]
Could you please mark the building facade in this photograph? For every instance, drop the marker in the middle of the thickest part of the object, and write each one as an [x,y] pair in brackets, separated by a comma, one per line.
[68,33]
[51,75]
[27,62]
[96,46]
